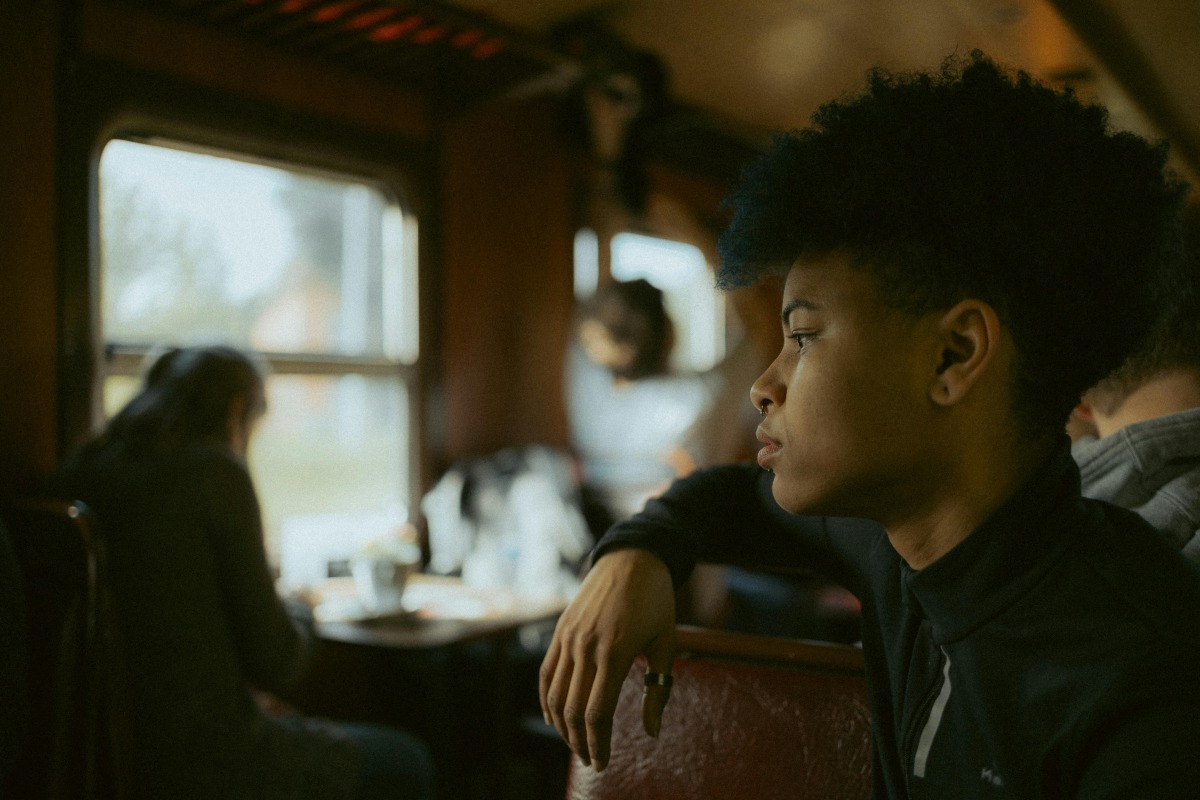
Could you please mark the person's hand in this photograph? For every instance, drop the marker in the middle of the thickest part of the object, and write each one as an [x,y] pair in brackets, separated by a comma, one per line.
[625,608]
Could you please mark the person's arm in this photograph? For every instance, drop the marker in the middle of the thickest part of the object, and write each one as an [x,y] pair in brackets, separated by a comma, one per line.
[626,608]
[727,515]
[272,647]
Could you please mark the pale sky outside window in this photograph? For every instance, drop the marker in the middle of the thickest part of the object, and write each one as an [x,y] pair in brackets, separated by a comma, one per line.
[318,269]
[233,201]
[587,263]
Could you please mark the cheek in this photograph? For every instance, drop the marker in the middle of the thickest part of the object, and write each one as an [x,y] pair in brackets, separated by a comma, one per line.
[837,416]
[820,398]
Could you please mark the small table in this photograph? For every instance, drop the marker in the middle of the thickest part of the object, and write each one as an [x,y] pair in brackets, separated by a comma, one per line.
[450,654]
[438,612]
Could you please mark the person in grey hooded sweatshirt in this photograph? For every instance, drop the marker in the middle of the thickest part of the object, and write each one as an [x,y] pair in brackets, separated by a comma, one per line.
[1137,432]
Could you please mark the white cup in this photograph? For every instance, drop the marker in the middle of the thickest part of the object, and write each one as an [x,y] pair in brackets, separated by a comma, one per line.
[379,582]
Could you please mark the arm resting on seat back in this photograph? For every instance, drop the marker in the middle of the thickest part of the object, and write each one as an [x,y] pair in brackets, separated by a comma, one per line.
[626,606]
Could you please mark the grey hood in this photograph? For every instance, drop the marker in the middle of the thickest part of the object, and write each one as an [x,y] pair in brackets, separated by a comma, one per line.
[1153,468]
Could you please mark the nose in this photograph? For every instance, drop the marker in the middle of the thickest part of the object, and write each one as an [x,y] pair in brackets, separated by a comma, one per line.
[767,390]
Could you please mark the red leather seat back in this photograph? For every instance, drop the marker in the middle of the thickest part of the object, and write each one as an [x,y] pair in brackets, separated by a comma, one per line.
[748,718]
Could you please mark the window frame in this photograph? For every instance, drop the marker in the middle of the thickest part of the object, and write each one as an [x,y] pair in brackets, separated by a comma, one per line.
[112,102]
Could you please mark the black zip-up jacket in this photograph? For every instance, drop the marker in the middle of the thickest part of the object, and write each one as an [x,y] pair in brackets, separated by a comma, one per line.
[1054,653]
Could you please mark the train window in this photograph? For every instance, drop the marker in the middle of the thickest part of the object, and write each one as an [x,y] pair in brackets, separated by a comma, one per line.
[587,263]
[682,273]
[317,272]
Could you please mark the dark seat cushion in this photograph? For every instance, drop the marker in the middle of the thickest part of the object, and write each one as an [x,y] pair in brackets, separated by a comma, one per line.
[741,728]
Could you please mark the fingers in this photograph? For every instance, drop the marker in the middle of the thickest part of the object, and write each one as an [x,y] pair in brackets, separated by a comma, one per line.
[555,678]
[566,684]
[625,606]
[660,657]
[545,677]
[654,701]
[575,712]
[602,704]
[579,699]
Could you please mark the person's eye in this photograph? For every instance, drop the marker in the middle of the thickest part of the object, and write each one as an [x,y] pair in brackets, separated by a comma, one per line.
[801,338]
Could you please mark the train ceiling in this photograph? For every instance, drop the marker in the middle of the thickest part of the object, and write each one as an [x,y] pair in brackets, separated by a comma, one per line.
[743,67]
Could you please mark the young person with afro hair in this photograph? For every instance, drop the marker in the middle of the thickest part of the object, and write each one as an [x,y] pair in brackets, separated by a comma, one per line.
[965,252]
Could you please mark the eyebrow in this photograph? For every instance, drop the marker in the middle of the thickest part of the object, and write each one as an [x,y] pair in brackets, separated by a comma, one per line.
[792,305]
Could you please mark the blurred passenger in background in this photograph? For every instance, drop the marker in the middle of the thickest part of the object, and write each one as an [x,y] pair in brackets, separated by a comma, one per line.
[629,414]
[200,626]
[1137,432]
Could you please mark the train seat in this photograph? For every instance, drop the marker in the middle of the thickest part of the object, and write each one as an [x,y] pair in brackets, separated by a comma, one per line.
[69,744]
[748,717]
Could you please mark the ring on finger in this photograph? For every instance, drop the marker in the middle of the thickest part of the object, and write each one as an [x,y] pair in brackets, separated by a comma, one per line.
[662,679]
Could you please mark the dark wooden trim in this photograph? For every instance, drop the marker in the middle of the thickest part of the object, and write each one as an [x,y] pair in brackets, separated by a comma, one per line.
[1101,30]
[799,652]
[140,38]
[130,359]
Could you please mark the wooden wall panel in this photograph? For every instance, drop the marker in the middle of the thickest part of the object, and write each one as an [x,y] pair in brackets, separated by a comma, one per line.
[508,232]
[28,257]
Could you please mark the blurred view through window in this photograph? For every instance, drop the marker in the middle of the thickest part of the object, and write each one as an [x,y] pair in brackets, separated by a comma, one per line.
[315,271]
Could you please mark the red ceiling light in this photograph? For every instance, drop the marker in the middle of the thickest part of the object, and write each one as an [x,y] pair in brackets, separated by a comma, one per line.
[292,6]
[332,11]
[368,19]
[487,49]
[468,38]
[431,34]
[396,30]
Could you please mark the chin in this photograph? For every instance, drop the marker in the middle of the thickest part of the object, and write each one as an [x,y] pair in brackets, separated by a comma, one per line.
[812,500]
[793,498]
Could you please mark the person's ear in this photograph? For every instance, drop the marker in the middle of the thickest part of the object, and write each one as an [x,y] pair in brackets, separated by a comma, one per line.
[968,337]
[1082,421]
[1085,411]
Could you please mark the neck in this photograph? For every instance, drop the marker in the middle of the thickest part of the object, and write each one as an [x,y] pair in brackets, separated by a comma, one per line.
[1167,393]
[967,493]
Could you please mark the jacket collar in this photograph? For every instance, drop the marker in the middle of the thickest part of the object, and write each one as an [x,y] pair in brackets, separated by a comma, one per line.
[1001,559]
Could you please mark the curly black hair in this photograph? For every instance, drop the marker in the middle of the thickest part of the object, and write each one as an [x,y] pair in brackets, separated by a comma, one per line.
[972,182]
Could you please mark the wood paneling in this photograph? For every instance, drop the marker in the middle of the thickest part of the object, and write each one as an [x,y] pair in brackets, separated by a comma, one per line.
[211,59]
[1150,48]
[28,253]
[508,231]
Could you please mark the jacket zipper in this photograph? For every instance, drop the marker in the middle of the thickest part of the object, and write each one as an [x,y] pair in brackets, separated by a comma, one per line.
[919,736]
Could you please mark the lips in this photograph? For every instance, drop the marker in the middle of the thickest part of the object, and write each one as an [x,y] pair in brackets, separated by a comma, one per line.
[769,451]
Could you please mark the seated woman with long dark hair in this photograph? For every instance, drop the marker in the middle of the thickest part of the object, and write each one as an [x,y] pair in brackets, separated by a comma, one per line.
[200,624]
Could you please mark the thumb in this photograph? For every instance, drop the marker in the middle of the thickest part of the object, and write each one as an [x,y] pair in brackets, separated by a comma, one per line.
[660,656]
